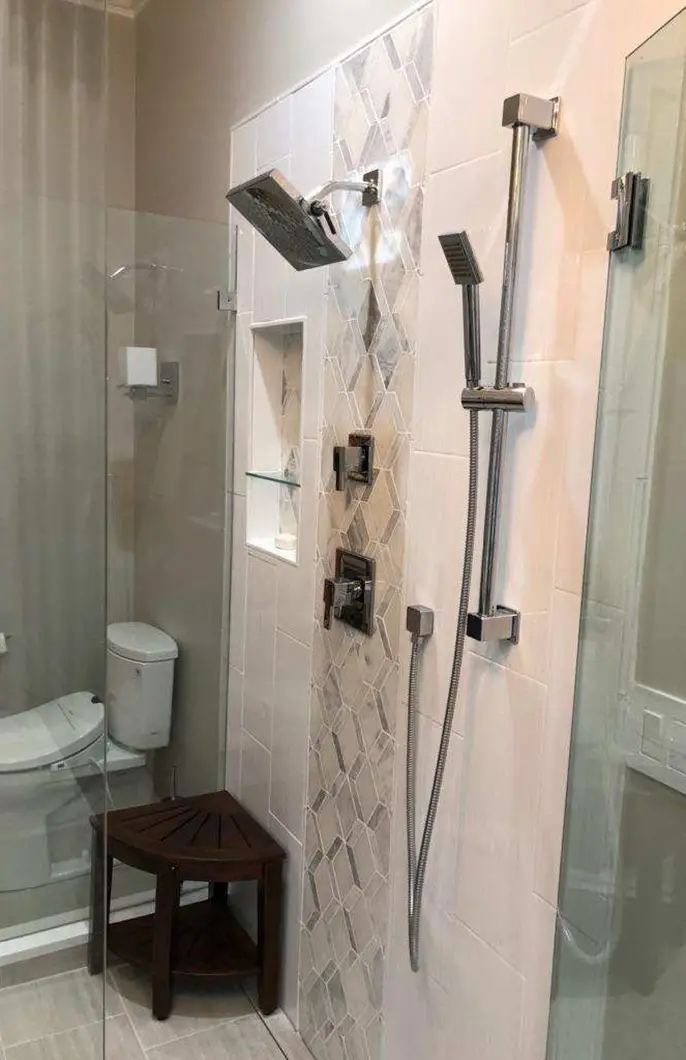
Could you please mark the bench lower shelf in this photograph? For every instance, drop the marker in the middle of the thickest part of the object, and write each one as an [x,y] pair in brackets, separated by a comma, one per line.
[208,943]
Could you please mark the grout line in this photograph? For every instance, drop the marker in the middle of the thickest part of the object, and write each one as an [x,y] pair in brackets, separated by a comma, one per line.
[198,1030]
[269,1030]
[272,1035]
[484,942]
[265,1024]
[180,1037]
[387,27]
[131,1023]
[504,666]
[460,165]
[39,979]
[550,22]
[258,742]
[54,1033]
[70,1030]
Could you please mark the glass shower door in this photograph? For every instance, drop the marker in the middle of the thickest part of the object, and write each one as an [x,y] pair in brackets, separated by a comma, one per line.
[53,512]
[620,967]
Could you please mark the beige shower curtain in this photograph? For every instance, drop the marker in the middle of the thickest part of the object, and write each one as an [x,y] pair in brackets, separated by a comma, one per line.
[52,349]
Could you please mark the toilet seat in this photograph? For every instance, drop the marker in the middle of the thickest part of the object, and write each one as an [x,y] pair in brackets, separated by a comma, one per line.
[47,734]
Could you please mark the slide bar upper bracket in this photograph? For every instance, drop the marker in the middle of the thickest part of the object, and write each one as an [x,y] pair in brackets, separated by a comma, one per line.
[541,115]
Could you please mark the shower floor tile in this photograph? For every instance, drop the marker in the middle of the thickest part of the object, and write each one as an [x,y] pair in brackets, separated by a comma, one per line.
[196,1007]
[242,1039]
[49,1006]
[84,1043]
[57,1018]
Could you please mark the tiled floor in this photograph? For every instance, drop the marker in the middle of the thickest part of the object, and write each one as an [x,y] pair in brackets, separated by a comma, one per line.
[58,1018]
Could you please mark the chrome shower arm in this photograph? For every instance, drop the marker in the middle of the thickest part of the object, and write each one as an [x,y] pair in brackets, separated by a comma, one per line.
[369,187]
[340,185]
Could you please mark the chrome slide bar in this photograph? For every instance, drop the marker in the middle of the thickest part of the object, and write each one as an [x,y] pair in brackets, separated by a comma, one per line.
[530,118]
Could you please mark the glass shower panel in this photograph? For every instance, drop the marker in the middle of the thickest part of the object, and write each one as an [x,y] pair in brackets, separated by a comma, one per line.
[180,495]
[168,455]
[167,472]
[53,485]
[621,946]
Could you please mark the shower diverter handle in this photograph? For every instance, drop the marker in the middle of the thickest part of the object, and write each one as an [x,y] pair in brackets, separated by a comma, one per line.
[349,595]
[340,593]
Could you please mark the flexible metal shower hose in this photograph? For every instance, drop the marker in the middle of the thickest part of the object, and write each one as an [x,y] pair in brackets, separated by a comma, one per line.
[417,865]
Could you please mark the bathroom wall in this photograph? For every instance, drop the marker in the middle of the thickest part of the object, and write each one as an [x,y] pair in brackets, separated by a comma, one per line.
[382,103]
[54,188]
[360,328]
[180,450]
[179,487]
[184,117]
[210,64]
[121,316]
[490,902]
[272,600]
[489,912]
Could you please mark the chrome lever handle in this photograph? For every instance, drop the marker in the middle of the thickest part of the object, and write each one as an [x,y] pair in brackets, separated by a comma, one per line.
[354,461]
[340,593]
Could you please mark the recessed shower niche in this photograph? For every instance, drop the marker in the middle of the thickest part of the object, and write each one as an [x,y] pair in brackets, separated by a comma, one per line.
[273,485]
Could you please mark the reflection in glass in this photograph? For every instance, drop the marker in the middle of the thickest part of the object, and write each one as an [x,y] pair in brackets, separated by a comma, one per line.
[621,946]
[52,457]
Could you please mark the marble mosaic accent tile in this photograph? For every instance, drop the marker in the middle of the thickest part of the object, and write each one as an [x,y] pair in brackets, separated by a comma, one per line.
[291,416]
[291,404]
[381,104]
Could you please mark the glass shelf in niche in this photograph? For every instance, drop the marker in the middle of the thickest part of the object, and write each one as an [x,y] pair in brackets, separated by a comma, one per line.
[280,477]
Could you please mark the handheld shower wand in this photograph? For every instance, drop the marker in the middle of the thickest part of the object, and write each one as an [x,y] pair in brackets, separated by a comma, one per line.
[467,275]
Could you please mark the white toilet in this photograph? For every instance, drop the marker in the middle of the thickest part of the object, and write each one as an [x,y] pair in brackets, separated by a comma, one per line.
[140,683]
[45,751]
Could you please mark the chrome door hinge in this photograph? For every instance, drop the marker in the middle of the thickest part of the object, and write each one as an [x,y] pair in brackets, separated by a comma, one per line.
[631,192]
[227,301]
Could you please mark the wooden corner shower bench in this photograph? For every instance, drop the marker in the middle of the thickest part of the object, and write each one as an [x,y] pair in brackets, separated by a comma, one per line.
[208,838]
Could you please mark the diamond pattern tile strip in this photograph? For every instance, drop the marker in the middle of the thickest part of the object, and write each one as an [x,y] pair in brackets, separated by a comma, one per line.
[380,118]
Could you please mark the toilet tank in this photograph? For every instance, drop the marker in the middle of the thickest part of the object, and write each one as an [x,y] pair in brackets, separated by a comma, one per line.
[140,685]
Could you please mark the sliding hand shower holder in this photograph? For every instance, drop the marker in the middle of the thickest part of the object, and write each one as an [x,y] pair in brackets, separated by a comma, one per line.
[537,119]
[529,118]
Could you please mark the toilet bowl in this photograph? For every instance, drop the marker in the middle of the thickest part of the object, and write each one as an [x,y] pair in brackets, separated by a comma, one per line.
[48,753]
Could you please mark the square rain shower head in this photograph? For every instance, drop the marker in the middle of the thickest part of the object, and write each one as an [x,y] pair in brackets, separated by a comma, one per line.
[284,217]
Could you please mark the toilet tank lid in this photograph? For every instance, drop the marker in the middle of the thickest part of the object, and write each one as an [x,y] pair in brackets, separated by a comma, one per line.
[141,642]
